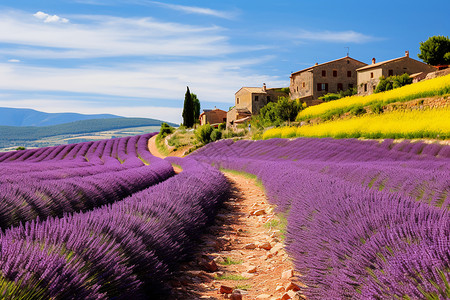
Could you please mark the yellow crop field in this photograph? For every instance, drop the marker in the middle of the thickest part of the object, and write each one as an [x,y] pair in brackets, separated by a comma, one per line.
[436,86]
[433,123]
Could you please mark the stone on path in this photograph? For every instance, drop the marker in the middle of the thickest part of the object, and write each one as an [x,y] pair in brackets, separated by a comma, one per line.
[287,274]
[225,289]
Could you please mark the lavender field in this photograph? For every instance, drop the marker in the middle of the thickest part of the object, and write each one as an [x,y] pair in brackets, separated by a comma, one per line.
[366,220]
[99,220]
[107,220]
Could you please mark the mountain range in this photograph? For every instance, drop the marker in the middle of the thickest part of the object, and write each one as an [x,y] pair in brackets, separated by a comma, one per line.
[31,117]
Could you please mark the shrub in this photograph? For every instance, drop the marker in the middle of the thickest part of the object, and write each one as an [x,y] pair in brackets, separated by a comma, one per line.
[203,133]
[216,135]
[392,82]
[165,130]
[330,97]
[222,126]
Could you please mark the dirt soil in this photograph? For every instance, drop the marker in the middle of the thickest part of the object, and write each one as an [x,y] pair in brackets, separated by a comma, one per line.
[242,255]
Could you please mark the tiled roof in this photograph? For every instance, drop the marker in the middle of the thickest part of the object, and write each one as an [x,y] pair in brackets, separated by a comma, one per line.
[375,65]
[254,89]
[328,62]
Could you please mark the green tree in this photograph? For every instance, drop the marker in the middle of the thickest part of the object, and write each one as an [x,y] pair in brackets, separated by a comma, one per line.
[196,104]
[188,110]
[287,109]
[435,51]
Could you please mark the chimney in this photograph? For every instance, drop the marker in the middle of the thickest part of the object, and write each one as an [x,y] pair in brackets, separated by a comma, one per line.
[264,87]
[316,64]
[373,60]
[407,53]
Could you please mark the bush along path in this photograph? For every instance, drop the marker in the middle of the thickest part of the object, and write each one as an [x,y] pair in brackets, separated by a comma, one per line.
[242,255]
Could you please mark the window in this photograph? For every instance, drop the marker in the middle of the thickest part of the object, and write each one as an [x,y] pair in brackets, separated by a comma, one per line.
[350,85]
[365,87]
[237,100]
[324,73]
[371,74]
[297,89]
[391,72]
[340,87]
[322,87]
[374,87]
[349,73]
[303,84]
[256,98]
[334,73]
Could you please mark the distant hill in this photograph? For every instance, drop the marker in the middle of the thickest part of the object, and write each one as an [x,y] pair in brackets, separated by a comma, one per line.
[20,133]
[31,117]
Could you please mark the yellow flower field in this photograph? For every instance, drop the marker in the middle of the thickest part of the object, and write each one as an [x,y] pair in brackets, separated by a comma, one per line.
[436,86]
[432,123]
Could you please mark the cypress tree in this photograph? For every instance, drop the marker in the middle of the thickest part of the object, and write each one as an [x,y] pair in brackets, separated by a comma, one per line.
[188,110]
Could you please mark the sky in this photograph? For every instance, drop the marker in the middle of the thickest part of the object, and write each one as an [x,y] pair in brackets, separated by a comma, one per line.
[135,58]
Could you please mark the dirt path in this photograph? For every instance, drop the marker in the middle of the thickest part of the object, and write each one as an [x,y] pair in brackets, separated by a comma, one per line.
[242,255]
[153,149]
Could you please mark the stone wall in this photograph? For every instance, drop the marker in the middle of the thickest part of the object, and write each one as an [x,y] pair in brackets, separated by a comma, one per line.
[423,103]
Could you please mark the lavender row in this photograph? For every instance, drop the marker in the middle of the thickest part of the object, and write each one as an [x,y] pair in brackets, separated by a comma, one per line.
[44,198]
[120,251]
[369,163]
[348,240]
[120,149]
[50,186]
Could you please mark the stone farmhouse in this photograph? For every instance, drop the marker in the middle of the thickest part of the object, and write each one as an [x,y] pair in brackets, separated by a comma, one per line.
[248,102]
[330,77]
[213,116]
[369,76]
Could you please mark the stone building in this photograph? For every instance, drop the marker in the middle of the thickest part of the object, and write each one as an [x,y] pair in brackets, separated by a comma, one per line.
[369,76]
[213,116]
[249,100]
[330,77]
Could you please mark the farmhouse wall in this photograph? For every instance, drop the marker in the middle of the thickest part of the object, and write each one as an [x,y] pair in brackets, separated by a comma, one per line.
[398,66]
[330,77]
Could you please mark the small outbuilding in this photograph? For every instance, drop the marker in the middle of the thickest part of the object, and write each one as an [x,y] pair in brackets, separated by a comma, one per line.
[213,116]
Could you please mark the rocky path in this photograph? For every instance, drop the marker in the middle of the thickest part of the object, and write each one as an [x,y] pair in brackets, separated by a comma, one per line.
[242,255]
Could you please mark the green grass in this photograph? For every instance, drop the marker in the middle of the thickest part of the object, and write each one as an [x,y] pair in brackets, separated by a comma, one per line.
[161,146]
[229,261]
[230,277]
[258,182]
[244,287]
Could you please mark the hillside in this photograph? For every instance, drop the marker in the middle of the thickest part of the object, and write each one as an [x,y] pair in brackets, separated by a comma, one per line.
[415,111]
[30,117]
[30,136]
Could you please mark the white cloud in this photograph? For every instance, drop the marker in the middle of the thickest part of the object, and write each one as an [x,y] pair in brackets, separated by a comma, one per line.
[182,8]
[212,81]
[195,10]
[50,19]
[13,60]
[349,36]
[88,36]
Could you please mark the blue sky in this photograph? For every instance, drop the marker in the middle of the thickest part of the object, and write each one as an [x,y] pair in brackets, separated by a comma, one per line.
[136,57]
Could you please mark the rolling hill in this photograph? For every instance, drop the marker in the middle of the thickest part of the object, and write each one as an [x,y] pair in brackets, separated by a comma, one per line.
[28,135]
[31,117]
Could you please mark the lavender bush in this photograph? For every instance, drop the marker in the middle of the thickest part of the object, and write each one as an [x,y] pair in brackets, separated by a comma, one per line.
[70,178]
[121,251]
[366,220]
